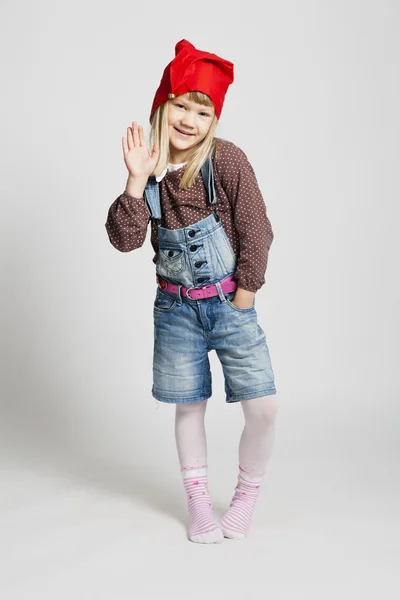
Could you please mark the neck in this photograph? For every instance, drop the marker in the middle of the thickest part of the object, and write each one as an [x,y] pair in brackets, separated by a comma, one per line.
[177,156]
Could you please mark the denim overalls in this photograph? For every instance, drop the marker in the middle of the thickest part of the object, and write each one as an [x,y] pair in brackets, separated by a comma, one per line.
[185,330]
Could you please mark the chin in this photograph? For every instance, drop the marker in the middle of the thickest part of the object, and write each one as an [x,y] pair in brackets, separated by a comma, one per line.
[183,145]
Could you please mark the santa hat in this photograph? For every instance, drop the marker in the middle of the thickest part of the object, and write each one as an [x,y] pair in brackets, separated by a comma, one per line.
[194,70]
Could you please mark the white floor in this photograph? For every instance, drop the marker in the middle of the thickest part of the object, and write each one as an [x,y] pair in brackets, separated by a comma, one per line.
[83,529]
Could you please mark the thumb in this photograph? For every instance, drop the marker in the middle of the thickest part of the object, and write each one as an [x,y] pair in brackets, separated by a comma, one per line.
[155,152]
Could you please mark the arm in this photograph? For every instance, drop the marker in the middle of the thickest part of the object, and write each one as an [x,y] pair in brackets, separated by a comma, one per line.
[239,181]
[128,218]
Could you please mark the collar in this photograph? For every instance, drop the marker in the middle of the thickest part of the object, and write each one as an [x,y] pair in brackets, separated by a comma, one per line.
[169,167]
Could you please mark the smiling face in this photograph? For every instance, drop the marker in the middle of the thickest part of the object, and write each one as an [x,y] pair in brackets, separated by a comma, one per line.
[188,125]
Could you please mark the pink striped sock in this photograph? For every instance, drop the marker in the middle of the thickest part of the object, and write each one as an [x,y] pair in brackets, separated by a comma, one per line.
[202,527]
[236,521]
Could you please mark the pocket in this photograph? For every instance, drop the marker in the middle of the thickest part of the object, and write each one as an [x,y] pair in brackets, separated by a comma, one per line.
[164,302]
[229,297]
[172,259]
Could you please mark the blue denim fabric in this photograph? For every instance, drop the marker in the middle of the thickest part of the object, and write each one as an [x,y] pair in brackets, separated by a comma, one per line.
[186,330]
[152,194]
[197,255]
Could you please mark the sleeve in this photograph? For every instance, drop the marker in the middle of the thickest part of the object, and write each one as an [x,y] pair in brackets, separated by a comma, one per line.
[250,216]
[127,222]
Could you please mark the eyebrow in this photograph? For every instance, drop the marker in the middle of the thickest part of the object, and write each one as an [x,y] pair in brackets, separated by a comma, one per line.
[203,107]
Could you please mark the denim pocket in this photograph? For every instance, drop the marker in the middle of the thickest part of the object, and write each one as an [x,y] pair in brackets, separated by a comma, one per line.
[164,302]
[229,297]
[172,260]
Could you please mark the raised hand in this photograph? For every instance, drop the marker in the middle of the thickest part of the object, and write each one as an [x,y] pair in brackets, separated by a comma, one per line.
[139,162]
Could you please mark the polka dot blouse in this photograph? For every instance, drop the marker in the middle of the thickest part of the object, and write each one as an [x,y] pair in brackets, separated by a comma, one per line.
[240,206]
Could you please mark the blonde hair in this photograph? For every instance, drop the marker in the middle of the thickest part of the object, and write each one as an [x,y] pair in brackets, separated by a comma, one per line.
[159,133]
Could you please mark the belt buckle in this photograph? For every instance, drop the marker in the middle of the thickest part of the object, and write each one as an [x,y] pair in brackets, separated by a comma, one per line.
[188,290]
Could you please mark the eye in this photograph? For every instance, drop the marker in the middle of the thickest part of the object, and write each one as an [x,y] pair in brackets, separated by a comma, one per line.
[180,105]
[205,114]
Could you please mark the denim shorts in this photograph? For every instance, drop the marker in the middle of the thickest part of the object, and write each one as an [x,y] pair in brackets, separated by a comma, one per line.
[185,331]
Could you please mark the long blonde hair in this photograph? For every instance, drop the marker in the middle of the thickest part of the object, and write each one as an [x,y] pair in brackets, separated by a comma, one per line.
[159,133]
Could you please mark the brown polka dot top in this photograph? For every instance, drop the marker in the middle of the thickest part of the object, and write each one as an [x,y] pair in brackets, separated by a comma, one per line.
[240,206]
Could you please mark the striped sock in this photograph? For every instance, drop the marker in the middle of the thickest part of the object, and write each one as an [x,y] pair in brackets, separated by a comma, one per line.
[236,521]
[202,527]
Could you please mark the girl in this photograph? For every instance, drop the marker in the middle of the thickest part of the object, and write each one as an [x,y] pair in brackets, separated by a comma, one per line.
[211,236]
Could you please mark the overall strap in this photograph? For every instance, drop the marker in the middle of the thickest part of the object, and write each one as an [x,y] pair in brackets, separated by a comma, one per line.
[208,178]
[152,198]
[152,192]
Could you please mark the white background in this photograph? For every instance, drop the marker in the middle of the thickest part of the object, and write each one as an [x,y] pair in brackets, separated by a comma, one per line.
[92,502]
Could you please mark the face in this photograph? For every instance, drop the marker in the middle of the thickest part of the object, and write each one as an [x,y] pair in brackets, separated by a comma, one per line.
[188,125]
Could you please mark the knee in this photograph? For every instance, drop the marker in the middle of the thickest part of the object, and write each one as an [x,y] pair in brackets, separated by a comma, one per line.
[269,409]
[261,411]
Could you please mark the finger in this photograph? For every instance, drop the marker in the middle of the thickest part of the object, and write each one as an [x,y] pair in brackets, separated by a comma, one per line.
[155,151]
[124,146]
[130,139]
[135,133]
[141,136]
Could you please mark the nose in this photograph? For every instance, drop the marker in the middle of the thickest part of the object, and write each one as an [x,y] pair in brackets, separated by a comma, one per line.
[188,120]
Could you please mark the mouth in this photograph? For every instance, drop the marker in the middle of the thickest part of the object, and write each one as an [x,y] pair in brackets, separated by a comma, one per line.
[183,132]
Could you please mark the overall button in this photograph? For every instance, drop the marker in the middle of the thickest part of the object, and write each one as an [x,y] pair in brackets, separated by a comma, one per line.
[201,279]
[192,233]
[193,247]
[198,264]
[171,253]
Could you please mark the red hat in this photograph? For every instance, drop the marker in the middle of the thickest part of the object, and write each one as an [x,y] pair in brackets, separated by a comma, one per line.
[194,70]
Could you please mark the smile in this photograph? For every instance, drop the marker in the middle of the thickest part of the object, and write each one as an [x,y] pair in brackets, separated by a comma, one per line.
[183,133]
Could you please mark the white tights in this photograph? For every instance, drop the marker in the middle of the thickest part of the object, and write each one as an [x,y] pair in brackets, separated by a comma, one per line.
[255,444]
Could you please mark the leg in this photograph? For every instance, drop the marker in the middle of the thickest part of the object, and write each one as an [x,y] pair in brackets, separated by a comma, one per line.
[258,434]
[255,449]
[191,445]
[190,434]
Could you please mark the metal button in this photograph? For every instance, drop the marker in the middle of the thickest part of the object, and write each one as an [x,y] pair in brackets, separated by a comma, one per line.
[201,279]
[171,253]
[198,264]
[192,233]
[193,247]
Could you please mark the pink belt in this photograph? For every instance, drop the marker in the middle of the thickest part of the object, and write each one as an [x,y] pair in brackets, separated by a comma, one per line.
[227,285]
